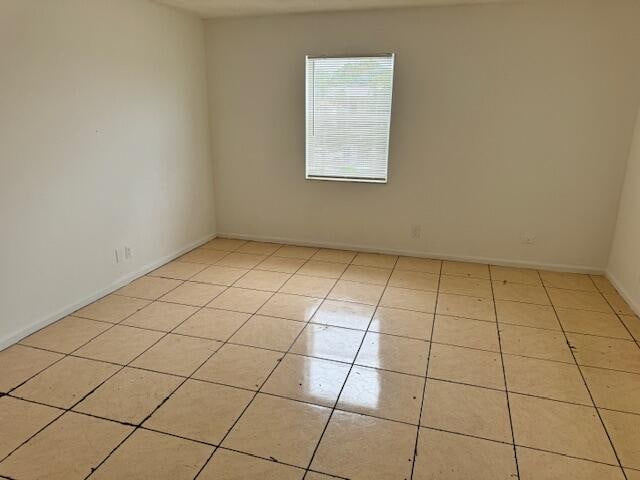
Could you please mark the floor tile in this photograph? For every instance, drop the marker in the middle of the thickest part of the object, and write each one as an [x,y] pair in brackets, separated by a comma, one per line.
[577,299]
[268,332]
[526,276]
[344,314]
[239,366]
[66,450]
[177,355]
[568,281]
[537,465]
[178,270]
[414,280]
[225,244]
[307,379]
[112,308]
[206,256]
[374,260]
[356,292]
[375,275]
[468,307]
[573,430]
[66,335]
[602,283]
[416,300]
[263,280]
[618,303]
[633,325]
[466,409]
[535,342]
[259,248]
[281,429]
[465,269]
[318,476]
[331,255]
[632,474]
[592,323]
[416,264]
[18,364]
[160,316]
[614,390]
[295,251]
[241,260]
[154,456]
[192,293]
[293,307]
[281,264]
[405,323]
[240,300]
[213,323]
[218,275]
[543,378]
[472,287]
[464,365]
[148,288]
[379,393]
[465,332]
[518,292]
[120,345]
[365,448]
[318,287]
[20,420]
[200,411]
[323,269]
[405,355]
[448,456]
[129,396]
[605,352]
[624,429]
[527,315]
[331,343]
[66,382]
[229,465]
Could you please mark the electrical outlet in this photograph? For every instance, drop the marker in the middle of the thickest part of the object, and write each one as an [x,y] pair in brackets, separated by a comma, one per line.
[527,239]
[128,253]
[416,231]
[118,257]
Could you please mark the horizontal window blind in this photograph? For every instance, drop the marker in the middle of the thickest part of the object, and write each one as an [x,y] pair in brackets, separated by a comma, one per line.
[348,114]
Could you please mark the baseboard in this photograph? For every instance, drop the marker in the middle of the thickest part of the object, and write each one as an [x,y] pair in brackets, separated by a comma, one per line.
[120,282]
[439,256]
[635,306]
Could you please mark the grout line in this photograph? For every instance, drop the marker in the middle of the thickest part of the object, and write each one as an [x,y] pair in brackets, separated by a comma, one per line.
[504,376]
[571,348]
[426,374]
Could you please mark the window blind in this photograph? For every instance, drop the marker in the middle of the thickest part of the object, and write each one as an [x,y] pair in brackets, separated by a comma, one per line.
[348,114]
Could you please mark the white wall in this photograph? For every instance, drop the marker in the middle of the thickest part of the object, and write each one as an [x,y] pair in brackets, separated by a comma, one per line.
[508,119]
[104,142]
[624,263]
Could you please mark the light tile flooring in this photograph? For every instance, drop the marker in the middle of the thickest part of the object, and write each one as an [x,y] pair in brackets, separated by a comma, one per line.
[245,360]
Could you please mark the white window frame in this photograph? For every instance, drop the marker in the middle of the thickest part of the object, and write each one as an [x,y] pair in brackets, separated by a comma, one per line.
[307,93]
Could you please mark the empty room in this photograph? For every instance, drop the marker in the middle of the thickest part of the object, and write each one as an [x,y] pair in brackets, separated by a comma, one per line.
[320,239]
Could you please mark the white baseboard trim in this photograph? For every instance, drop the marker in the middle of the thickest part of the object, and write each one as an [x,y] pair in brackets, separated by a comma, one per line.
[120,282]
[439,256]
[635,306]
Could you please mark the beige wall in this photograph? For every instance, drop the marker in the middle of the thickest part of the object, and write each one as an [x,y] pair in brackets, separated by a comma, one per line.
[624,263]
[104,142]
[508,120]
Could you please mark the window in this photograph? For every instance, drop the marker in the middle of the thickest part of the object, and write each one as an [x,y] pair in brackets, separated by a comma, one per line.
[348,117]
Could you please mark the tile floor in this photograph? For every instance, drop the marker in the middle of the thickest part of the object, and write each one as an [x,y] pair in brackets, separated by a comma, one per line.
[246,360]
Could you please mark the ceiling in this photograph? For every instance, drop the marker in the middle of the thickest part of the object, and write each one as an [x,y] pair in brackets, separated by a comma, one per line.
[225,8]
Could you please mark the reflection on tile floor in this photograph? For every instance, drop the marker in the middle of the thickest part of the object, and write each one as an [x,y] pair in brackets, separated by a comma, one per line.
[262,361]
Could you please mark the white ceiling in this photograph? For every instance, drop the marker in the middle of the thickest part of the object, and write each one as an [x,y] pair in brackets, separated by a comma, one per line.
[224,8]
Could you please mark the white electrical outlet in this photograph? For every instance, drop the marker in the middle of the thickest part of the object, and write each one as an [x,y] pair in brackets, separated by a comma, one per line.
[527,239]
[128,253]
[118,257]
[416,231]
